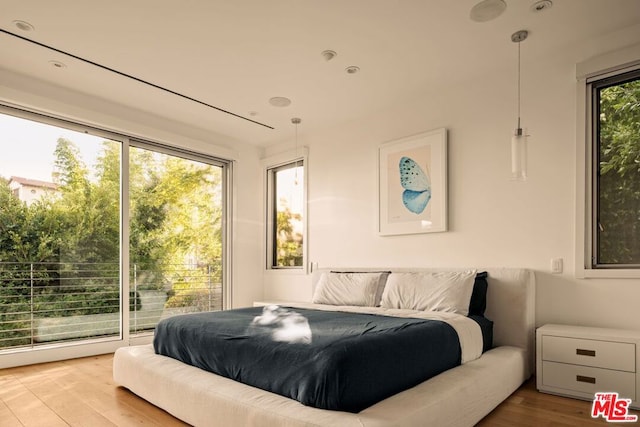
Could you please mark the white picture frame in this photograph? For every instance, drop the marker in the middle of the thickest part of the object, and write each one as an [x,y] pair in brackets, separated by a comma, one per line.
[412,184]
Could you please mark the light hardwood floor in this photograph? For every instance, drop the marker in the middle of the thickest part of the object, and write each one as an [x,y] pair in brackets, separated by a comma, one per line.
[81,392]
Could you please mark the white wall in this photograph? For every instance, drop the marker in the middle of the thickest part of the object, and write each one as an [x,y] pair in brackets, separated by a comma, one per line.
[247,227]
[492,220]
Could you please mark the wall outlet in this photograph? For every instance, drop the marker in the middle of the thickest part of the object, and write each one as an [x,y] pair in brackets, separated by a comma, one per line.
[556,265]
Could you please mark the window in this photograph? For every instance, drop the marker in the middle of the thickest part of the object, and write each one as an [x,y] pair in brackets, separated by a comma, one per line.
[59,249]
[108,231]
[614,134]
[286,206]
[176,231]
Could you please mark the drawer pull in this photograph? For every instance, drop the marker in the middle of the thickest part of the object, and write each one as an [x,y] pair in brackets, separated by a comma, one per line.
[581,352]
[583,379]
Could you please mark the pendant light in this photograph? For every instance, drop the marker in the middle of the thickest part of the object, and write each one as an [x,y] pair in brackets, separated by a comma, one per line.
[519,138]
[296,121]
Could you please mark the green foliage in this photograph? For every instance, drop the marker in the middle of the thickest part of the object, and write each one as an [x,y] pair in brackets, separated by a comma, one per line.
[288,241]
[72,238]
[176,219]
[176,211]
[619,180]
[28,233]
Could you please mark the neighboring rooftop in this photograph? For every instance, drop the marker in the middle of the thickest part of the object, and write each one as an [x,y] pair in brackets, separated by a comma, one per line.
[33,182]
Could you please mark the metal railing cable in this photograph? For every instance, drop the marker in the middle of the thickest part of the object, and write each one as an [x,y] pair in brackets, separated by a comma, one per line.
[44,303]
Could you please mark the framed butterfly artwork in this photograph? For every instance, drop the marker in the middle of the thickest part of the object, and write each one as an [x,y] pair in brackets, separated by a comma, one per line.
[412,184]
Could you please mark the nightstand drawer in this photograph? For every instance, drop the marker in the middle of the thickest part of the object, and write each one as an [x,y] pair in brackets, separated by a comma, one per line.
[585,379]
[600,354]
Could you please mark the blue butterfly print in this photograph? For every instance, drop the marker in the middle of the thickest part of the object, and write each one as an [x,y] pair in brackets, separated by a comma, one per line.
[416,184]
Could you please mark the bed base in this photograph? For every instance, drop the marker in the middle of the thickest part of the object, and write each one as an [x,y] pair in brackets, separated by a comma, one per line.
[459,397]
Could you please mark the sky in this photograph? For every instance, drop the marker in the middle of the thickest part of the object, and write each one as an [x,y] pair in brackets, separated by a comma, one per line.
[27,147]
[288,181]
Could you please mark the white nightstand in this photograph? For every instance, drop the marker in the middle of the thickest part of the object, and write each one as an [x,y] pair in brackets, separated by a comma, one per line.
[579,361]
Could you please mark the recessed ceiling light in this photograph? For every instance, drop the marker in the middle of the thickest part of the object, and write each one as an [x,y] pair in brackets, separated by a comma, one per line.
[352,69]
[328,55]
[539,6]
[280,101]
[23,25]
[487,10]
[57,64]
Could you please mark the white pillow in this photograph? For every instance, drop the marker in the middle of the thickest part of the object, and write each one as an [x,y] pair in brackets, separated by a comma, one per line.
[437,291]
[347,289]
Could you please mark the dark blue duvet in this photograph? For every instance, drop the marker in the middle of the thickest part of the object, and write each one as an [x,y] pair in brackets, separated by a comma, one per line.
[326,359]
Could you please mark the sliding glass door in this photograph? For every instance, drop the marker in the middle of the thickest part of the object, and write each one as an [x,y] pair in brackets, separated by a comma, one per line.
[59,234]
[176,235]
[72,265]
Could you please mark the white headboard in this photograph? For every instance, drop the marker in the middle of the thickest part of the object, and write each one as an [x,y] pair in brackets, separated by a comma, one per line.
[510,303]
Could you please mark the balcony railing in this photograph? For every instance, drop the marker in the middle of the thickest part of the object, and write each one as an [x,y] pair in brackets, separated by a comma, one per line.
[42,303]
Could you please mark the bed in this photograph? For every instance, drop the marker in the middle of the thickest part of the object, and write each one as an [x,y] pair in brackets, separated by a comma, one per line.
[460,396]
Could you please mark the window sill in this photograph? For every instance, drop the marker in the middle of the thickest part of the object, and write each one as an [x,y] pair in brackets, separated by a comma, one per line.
[584,273]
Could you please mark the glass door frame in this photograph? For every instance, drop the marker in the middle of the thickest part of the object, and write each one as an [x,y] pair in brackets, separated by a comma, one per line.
[94,346]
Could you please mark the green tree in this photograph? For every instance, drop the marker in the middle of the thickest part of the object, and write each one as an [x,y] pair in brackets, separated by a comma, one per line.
[29,233]
[30,238]
[619,180]
[73,237]
[288,241]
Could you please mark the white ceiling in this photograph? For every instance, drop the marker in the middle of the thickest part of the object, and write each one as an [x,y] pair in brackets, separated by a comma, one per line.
[235,55]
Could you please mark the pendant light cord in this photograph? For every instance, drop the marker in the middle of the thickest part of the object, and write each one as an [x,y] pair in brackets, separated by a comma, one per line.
[296,121]
[519,85]
[519,37]
[296,143]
